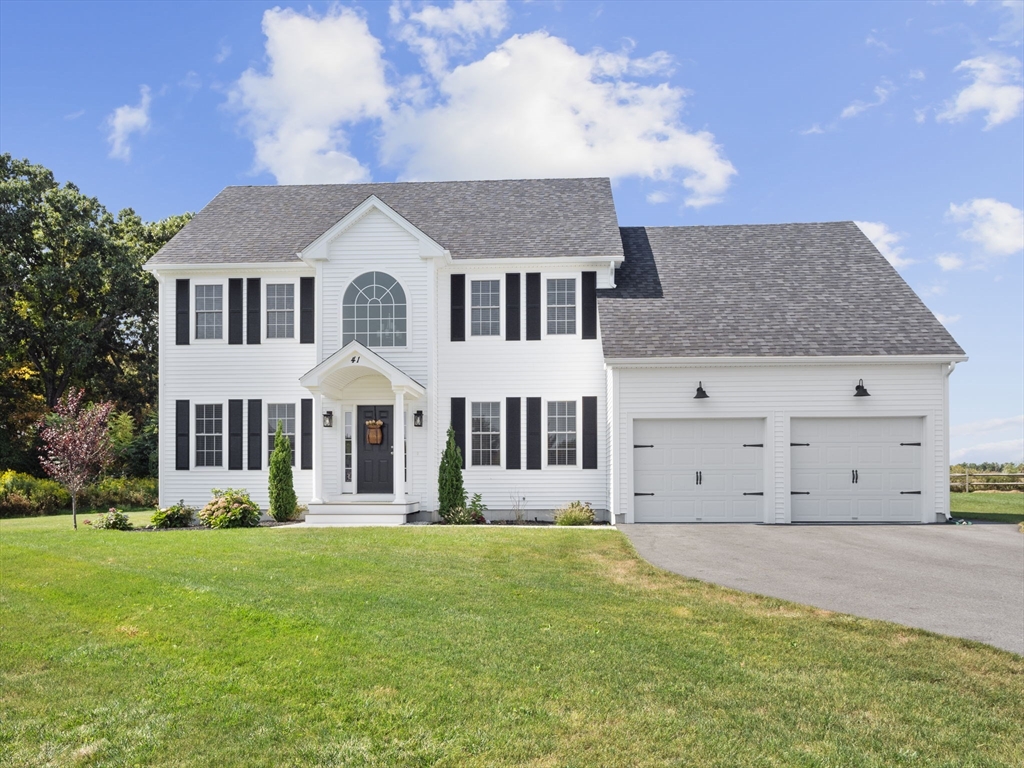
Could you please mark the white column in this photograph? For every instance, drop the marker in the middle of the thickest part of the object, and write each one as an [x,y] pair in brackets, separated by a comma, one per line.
[398,444]
[318,442]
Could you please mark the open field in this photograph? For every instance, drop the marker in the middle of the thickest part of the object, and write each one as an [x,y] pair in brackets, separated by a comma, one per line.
[457,646]
[1001,507]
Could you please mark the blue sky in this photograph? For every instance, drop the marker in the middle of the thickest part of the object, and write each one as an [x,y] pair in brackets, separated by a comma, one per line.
[904,116]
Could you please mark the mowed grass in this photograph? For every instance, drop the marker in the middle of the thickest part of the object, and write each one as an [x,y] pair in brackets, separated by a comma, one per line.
[1001,507]
[457,647]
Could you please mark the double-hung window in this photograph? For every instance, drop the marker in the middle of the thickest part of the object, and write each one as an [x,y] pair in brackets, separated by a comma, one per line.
[209,435]
[485,308]
[561,306]
[281,311]
[486,433]
[562,433]
[209,311]
[283,413]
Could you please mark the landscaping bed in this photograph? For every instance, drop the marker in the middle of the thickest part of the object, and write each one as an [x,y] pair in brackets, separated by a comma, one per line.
[452,646]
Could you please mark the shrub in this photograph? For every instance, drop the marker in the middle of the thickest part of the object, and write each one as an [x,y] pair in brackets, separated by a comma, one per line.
[22,494]
[114,520]
[283,502]
[468,515]
[175,516]
[121,492]
[230,508]
[451,493]
[575,513]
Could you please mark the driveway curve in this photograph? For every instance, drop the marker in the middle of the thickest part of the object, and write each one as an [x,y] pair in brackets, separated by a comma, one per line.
[960,580]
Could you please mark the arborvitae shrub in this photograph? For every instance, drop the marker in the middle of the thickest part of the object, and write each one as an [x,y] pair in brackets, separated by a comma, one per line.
[451,493]
[283,502]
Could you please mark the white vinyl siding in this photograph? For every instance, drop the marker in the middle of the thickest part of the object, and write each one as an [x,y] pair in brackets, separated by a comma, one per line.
[561,302]
[285,414]
[210,435]
[281,311]
[485,432]
[209,311]
[485,308]
[562,433]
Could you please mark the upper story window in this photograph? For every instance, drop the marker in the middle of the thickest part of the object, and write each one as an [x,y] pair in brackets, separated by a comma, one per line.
[485,308]
[209,435]
[561,306]
[281,311]
[374,311]
[209,311]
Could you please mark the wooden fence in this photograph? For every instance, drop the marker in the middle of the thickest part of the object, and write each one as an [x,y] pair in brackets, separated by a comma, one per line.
[985,481]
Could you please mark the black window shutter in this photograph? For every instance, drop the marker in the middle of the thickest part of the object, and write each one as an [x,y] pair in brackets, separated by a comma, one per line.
[533,433]
[255,434]
[235,432]
[307,432]
[252,313]
[589,432]
[306,316]
[533,306]
[458,307]
[512,297]
[181,312]
[588,304]
[459,425]
[235,311]
[513,432]
[181,416]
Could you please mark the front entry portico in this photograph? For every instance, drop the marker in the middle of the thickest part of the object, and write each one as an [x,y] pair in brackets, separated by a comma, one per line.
[360,461]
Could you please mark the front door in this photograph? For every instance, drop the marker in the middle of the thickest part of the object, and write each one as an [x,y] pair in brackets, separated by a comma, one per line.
[376,462]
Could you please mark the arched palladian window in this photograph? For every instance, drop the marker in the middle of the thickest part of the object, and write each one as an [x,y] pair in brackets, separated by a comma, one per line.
[374,311]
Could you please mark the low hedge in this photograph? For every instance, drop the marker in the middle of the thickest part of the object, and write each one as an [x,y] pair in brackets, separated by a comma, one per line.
[23,495]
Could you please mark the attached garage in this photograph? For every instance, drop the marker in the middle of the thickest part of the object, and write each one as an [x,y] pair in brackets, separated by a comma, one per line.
[698,470]
[856,470]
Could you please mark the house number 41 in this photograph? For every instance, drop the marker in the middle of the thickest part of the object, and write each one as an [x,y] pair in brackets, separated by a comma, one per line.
[355,359]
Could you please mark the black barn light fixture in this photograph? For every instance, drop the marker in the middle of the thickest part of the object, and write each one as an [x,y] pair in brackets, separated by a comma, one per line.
[701,394]
[861,390]
[328,419]
[417,419]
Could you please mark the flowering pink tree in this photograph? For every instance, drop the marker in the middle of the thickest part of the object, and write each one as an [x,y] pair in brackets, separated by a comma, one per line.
[76,443]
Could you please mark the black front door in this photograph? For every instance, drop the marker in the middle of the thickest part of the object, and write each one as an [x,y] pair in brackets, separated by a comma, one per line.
[376,467]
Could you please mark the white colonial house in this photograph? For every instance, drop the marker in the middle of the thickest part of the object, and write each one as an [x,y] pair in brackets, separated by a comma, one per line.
[768,373]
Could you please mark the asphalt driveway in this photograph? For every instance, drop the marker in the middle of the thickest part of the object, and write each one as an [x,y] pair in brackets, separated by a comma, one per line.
[966,581]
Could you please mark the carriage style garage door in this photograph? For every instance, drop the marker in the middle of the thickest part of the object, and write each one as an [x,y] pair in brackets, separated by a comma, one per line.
[698,470]
[856,470]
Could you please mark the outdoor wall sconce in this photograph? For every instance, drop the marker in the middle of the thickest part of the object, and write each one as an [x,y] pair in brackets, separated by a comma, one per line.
[861,390]
[417,419]
[701,394]
[328,419]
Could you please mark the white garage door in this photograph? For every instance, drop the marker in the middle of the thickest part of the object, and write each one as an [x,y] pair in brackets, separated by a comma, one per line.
[698,470]
[856,470]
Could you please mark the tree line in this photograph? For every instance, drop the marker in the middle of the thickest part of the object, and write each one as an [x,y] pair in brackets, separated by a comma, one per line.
[76,310]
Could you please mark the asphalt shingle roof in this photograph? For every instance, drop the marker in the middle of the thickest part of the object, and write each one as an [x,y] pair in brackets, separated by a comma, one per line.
[472,219]
[772,290]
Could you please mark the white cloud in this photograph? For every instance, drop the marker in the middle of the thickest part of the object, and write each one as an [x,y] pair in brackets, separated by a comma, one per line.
[920,115]
[916,74]
[886,241]
[125,121]
[872,41]
[882,93]
[436,34]
[935,289]
[987,425]
[997,226]
[995,90]
[74,115]
[536,107]
[222,53]
[999,451]
[654,198]
[946,320]
[323,75]
[813,130]
[949,261]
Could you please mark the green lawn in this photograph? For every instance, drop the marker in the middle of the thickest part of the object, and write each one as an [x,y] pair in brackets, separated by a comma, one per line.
[988,505]
[457,647]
